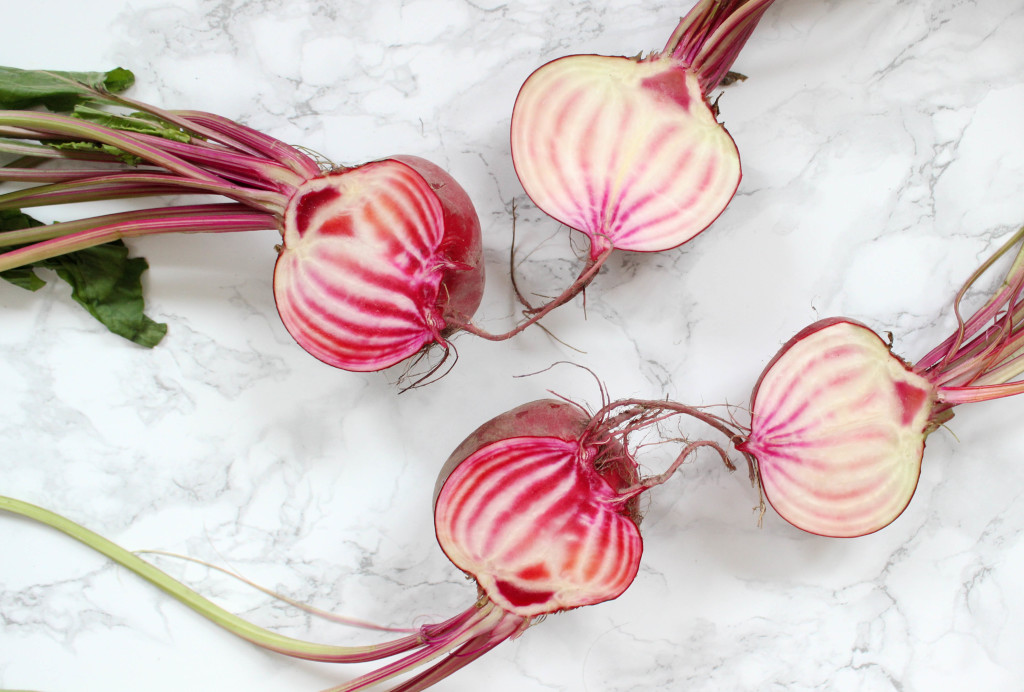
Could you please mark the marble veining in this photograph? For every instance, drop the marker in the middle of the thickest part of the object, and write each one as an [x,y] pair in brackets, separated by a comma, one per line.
[883,158]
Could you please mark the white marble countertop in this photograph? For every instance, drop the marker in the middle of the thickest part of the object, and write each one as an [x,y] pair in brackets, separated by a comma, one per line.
[883,154]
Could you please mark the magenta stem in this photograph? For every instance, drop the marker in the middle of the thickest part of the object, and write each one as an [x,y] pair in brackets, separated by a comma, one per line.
[711,35]
[220,223]
[64,126]
[247,169]
[978,361]
[120,185]
[49,175]
[641,413]
[590,270]
[35,234]
[242,137]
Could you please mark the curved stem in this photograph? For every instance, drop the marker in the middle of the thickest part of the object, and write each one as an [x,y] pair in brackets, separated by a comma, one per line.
[981,358]
[735,436]
[941,355]
[211,611]
[216,128]
[223,129]
[646,484]
[590,270]
[316,612]
[644,412]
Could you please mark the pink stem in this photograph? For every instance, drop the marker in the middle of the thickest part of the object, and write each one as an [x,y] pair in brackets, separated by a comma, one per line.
[711,35]
[120,185]
[242,221]
[464,655]
[250,170]
[424,638]
[590,270]
[246,137]
[35,234]
[976,393]
[76,128]
[485,621]
[235,135]
[49,175]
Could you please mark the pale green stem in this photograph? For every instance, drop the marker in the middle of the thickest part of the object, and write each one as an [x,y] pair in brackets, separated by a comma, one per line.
[317,612]
[211,611]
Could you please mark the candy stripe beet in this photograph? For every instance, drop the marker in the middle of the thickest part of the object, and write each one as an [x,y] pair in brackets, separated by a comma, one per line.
[626,152]
[629,151]
[377,262]
[360,266]
[839,422]
[531,518]
[538,505]
[837,430]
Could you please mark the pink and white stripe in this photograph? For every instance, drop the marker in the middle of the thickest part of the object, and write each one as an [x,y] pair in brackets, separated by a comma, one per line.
[838,430]
[532,520]
[357,280]
[627,152]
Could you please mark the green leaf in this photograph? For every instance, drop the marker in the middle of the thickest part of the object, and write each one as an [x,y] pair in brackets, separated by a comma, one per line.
[59,91]
[144,123]
[108,283]
[16,220]
[23,277]
[104,280]
[125,158]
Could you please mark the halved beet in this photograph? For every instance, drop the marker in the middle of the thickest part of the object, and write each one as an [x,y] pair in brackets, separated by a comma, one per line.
[529,506]
[376,260]
[838,429]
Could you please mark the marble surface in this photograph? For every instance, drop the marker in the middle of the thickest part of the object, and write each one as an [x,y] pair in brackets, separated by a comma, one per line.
[883,158]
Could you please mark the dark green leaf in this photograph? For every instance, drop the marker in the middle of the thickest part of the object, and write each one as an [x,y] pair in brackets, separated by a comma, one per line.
[108,283]
[56,90]
[23,277]
[103,279]
[16,220]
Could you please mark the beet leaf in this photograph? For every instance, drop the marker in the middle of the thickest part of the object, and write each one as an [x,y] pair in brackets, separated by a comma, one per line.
[103,279]
[58,91]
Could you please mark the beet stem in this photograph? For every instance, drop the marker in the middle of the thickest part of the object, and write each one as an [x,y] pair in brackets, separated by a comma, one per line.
[590,270]
[80,240]
[711,35]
